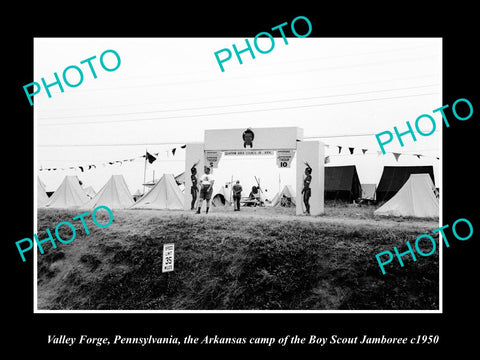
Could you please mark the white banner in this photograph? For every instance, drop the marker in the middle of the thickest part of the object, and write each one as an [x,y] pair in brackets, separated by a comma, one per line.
[168,257]
[248,152]
[284,158]
[212,158]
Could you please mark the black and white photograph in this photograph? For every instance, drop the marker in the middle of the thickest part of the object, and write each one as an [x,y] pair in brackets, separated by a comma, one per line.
[160,135]
[295,181]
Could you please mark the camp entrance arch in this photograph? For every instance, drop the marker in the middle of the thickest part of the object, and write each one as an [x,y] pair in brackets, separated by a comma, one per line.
[284,142]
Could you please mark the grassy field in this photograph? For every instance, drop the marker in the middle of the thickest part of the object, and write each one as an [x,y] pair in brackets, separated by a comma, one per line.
[258,258]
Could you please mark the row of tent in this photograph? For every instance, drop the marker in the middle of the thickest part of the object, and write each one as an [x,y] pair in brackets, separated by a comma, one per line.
[165,194]
[343,183]
[418,197]
[115,194]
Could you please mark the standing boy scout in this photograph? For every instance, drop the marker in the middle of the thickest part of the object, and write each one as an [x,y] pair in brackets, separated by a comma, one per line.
[237,194]
[206,189]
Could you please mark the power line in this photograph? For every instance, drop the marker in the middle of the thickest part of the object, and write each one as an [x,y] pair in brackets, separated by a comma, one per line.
[263,74]
[178,143]
[119,144]
[237,112]
[330,86]
[351,135]
[244,104]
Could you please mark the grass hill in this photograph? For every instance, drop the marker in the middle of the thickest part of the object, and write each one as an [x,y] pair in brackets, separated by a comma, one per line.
[253,259]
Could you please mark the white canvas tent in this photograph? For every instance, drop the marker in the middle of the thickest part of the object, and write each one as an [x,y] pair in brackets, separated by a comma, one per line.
[114,194]
[164,195]
[416,198]
[42,183]
[287,192]
[42,197]
[68,195]
[90,192]
[221,197]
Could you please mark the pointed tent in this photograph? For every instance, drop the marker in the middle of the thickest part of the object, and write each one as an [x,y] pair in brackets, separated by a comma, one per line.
[41,183]
[42,197]
[416,198]
[164,195]
[221,197]
[68,195]
[342,183]
[394,177]
[114,194]
[286,193]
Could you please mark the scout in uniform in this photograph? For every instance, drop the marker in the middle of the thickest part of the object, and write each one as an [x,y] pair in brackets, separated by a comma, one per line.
[237,194]
[206,189]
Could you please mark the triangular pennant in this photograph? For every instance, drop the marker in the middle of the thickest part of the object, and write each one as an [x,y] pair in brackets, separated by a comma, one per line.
[150,157]
[397,155]
[351,150]
[417,155]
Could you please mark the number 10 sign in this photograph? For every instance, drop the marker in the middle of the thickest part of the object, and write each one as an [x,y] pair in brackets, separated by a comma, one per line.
[167,263]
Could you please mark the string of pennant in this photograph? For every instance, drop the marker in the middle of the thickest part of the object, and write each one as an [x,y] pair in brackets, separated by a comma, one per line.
[151,158]
[147,156]
[352,149]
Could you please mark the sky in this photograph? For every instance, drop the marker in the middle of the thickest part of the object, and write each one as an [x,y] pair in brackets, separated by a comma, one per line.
[168,91]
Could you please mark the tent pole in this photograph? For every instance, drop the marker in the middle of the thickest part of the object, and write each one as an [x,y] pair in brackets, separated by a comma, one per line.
[144,172]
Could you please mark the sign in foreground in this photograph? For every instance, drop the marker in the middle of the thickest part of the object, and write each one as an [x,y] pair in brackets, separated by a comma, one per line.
[167,263]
